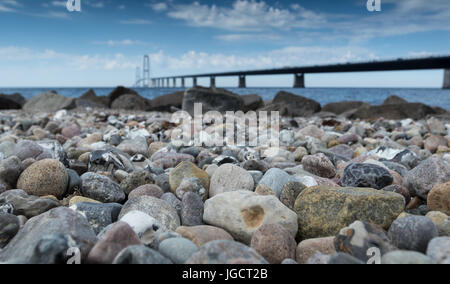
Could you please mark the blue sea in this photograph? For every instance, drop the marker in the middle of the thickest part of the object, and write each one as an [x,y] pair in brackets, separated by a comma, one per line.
[375,96]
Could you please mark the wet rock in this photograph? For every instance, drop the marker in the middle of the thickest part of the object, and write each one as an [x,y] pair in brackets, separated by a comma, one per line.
[308,248]
[101,188]
[179,250]
[45,177]
[226,252]
[56,221]
[241,213]
[366,175]
[135,180]
[191,209]
[28,205]
[98,215]
[117,238]
[274,243]
[159,209]
[322,212]
[429,173]
[413,233]
[203,234]
[228,178]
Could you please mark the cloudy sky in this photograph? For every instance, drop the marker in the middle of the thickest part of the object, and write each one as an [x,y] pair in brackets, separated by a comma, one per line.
[43,44]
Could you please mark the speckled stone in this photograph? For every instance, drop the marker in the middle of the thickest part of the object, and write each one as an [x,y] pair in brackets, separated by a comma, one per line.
[135,180]
[229,177]
[140,254]
[191,209]
[101,188]
[148,190]
[290,192]
[187,170]
[45,177]
[439,198]
[274,243]
[322,212]
[366,175]
[319,165]
[406,257]
[439,250]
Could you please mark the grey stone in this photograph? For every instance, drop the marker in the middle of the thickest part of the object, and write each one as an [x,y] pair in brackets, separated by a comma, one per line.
[49,102]
[9,226]
[406,257]
[230,177]
[140,254]
[171,199]
[28,205]
[101,188]
[98,215]
[179,250]
[439,250]
[276,179]
[366,175]
[191,210]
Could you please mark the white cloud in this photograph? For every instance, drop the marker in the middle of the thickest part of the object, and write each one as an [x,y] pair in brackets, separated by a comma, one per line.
[9,5]
[245,15]
[159,7]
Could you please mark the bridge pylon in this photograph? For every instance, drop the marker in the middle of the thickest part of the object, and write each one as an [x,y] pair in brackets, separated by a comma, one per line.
[299,80]
[146,71]
[447,79]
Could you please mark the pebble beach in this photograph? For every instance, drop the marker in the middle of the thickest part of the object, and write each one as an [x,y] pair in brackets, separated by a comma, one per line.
[103,178]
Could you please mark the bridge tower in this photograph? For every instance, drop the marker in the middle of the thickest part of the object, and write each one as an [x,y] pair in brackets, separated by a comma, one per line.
[447,79]
[138,76]
[242,83]
[146,71]
[299,80]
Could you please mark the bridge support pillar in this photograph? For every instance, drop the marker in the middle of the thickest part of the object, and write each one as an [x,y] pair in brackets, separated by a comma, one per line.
[168,83]
[182,83]
[174,82]
[213,82]
[242,82]
[299,80]
[194,82]
[447,79]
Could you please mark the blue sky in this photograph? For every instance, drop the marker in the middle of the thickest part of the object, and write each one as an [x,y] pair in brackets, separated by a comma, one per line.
[42,44]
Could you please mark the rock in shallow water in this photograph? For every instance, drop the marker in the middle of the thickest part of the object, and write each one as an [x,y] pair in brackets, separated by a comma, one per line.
[323,211]
[241,213]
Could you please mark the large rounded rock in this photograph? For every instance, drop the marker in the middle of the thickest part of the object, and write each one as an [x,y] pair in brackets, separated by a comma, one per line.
[165,214]
[226,252]
[429,173]
[439,198]
[45,177]
[241,213]
[366,175]
[323,211]
[187,170]
[274,243]
[49,102]
[229,177]
[292,105]
[61,220]
[212,99]
[413,233]
[130,102]
[101,188]
[201,235]
[146,189]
